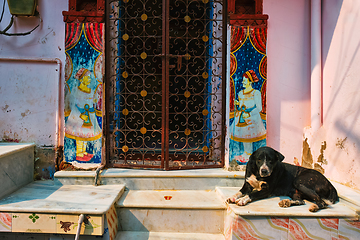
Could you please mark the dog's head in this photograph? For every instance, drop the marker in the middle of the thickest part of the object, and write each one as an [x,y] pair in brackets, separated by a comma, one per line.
[265,159]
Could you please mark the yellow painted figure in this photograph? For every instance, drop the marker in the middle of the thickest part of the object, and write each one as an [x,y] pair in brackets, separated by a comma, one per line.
[81,124]
[247,126]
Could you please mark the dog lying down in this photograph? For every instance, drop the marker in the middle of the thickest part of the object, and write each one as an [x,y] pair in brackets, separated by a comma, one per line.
[266,175]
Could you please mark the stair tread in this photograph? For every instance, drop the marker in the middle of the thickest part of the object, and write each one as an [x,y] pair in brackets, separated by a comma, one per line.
[130,235]
[180,199]
[47,197]
[11,148]
[141,173]
[270,207]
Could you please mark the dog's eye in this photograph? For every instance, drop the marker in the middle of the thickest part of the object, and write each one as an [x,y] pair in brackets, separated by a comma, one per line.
[258,162]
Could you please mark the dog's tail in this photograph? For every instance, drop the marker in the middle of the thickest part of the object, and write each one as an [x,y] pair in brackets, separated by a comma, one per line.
[333,196]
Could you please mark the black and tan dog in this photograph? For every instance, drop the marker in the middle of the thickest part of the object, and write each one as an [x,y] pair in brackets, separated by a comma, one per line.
[266,175]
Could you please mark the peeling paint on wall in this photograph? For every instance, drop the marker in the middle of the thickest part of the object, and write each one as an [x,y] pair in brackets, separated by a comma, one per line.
[321,159]
[44,166]
[340,143]
[307,158]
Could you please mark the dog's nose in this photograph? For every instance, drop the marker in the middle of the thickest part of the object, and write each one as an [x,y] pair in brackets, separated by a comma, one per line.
[264,171]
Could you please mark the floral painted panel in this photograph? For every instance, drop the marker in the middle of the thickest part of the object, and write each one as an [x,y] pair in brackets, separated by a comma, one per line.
[84,73]
[68,224]
[248,75]
[290,228]
[112,222]
[5,222]
[34,222]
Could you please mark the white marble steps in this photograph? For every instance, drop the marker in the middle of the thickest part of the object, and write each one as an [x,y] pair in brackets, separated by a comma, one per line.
[47,197]
[180,211]
[137,179]
[270,207]
[350,195]
[128,235]
[178,199]
[17,166]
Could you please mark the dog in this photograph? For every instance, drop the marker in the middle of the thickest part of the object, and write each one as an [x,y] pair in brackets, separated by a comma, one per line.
[266,175]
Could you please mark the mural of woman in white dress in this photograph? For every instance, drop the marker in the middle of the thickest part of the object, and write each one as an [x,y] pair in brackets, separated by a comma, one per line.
[248,126]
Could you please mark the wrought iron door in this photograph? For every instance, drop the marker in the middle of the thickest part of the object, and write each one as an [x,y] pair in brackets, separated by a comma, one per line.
[165,83]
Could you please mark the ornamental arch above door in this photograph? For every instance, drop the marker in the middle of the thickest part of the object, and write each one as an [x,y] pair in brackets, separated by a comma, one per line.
[165,83]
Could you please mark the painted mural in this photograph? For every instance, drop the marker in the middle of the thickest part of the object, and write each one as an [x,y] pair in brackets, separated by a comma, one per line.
[291,228]
[248,64]
[84,73]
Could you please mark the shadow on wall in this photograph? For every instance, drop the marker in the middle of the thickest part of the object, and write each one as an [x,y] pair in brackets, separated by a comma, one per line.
[344,103]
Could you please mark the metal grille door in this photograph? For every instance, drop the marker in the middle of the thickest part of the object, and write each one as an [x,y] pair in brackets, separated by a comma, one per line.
[165,84]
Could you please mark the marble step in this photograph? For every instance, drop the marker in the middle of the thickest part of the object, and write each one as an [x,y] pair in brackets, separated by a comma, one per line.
[195,211]
[136,179]
[17,166]
[129,235]
[269,207]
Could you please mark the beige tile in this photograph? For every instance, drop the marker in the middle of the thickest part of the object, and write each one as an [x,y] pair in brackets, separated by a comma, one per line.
[112,222]
[33,222]
[68,224]
[313,228]
[349,228]
[5,222]
[259,228]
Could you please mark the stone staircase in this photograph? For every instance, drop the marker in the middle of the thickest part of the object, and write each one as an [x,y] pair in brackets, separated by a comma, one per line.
[155,214]
[159,205]
[189,204]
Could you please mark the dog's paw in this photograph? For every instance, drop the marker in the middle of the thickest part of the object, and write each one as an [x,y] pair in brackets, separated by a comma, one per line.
[285,203]
[314,208]
[233,198]
[243,200]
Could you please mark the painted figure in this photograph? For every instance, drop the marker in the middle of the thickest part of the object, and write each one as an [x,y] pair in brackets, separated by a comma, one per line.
[82,124]
[247,126]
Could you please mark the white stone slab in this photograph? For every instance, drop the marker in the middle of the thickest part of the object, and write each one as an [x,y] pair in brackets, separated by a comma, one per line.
[128,235]
[47,197]
[138,173]
[11,148]
[17,166]
[182,199]
[270,207]
[348,194]
[73,174]
[172,220]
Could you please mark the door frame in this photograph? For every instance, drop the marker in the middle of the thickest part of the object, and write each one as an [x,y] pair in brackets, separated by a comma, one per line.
[106,146]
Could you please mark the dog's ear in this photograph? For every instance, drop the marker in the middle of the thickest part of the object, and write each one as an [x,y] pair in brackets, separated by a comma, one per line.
[279,156]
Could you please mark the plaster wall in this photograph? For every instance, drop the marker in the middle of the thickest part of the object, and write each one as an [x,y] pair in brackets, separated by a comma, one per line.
[29,90]
[334,148]
[341,98]
[288,96]
[28,106]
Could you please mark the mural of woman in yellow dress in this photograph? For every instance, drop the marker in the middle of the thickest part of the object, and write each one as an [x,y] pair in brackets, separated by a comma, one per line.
[248,126]
[82,125]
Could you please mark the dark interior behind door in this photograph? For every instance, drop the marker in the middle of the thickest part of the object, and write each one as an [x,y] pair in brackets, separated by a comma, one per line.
[165,88]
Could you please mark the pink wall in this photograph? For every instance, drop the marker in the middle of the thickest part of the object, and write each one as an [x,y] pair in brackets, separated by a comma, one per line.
[289,89]
[341,84]
[29,90]
[288,74]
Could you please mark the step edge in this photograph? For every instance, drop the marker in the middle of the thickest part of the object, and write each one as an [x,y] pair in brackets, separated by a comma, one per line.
[155,234]
[129,206]
[135,173]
